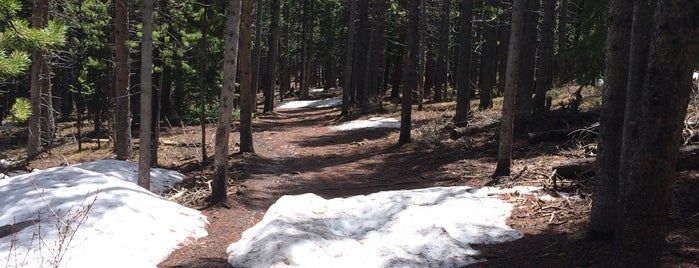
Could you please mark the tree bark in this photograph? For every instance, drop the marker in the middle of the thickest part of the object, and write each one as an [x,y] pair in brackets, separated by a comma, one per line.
[647,173]
[34,144]
[122,113]
[508,106]
[219,186]
[272,55]
[375,55]
[442,63]
[348,58]
[603,216]
[560,68]
[487,67]
[525,77]
[361,48]
[257,54]
[144,155]
[246,89]
[410,75]
[463,93]
[544,67]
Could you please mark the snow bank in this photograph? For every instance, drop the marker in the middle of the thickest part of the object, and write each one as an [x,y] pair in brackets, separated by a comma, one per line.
[324,103]
[126,226]
[431,227]
[374,122]
[161,179]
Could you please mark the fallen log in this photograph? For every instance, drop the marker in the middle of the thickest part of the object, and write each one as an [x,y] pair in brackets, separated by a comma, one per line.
[585,167]
[563,134]
[457,133]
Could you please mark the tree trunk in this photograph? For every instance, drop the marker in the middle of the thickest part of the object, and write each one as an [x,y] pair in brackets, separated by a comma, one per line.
[144,155]
[257,54]
[39,12]
[307,48]
[203,71]
[463,94]
[122,113]
[441,75]
[422,59]
[48,124]
[246,89]
[647,172]
[219,186]
[410,75]
[377,49]
[487,67]
[560,68]
[361,48]
[525,77]
[508,106]
[272,55]
[348,59]
[544,72]
[603,216]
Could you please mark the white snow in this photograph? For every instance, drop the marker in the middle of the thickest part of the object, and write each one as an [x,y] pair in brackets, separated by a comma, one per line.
[125,225]
[431,227]
[323,103]
[374,122]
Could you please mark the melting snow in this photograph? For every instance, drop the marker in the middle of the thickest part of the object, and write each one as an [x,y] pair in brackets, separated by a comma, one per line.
[431,227]
[324,103]
[374,122]
[126,226]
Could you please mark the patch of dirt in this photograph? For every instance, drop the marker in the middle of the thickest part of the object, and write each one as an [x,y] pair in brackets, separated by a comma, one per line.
[297,153]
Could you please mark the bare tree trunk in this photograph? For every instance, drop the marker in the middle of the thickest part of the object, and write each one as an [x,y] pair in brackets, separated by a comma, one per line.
[422,59]
[272,55]
[144,156]
[246,89]
[544,72]
[361,48]
[560,67]
[508,106]
[410,75]
[487,67]
[203,70]
[48,124]
[37,73]
[348,59]
[463,94]
[219,187]
[441,75]
[122,113]
[525,77]
[603,216]
[377,50]
[257,54]
[647,171]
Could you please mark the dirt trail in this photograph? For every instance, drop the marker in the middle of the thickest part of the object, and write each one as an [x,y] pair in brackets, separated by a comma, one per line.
[297,153]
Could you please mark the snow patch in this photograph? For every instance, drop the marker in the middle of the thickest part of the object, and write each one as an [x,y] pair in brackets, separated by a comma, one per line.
[323,103]
[431,227]
[127,226]
[374,122]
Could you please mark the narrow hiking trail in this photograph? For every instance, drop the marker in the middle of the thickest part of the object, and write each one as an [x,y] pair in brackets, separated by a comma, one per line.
[297,152]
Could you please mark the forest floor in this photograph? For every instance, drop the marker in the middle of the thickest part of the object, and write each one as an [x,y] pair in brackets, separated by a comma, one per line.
[297,152]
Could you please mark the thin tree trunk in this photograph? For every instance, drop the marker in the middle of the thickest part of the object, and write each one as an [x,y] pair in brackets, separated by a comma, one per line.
[246,89]
[37,73]
[603,216]
[122,113]
[647,171]
[219,186]
[544,72]
[273,44]
[559,73]
[203,71]
[507,119]
[442,62]
[410,75]
[144,156]
[348,59]
[377,49]
[463,94]
[257,54]
[422,59]
[361,48]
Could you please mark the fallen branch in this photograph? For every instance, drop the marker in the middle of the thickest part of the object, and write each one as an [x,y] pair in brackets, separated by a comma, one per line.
[584,167]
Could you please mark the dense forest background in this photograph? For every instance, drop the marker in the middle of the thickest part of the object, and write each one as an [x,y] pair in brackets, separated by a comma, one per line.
[122,65]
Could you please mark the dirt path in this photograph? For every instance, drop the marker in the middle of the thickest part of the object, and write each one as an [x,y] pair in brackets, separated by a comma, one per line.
[297,153]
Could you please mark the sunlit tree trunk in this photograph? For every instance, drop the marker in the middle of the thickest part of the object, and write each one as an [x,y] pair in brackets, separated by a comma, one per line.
[122,113]
[508,106]
[144,155]
[219,186]
[246,89]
